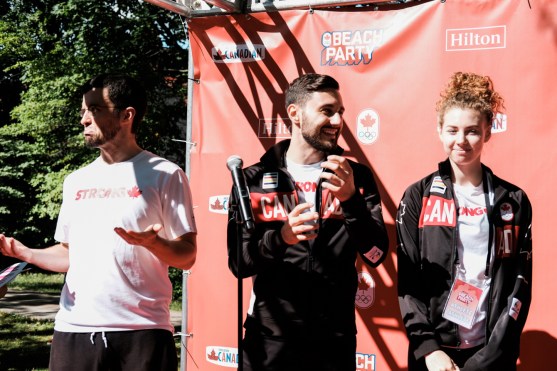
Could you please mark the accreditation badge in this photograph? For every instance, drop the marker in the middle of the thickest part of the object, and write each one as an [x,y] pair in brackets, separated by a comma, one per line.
[463,303]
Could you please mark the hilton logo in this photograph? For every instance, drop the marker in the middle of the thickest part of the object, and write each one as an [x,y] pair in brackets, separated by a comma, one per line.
[274,128]
[458,39]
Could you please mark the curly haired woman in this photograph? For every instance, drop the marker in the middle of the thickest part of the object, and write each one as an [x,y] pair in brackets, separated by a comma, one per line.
[464,246]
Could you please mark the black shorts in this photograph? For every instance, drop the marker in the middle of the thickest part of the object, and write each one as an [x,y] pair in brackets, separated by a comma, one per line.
[113,350]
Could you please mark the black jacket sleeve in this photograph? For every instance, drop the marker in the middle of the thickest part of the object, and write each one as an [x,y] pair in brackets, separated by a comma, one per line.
[264,244]
[364,218]
[413,304]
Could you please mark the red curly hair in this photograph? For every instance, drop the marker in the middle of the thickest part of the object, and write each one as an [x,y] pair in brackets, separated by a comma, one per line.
[469,90]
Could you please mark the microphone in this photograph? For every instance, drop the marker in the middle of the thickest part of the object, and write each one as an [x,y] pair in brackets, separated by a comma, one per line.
[234,164]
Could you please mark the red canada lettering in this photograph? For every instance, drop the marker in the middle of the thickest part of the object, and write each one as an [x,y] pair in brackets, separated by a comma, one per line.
[506,241]
[273,206]
[437,211]
[331,206]
[276,206]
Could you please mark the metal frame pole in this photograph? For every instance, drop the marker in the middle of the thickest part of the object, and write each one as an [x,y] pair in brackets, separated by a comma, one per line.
[185,274]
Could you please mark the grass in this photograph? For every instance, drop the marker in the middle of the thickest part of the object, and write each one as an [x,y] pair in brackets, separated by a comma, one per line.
[25,342]
[50,283]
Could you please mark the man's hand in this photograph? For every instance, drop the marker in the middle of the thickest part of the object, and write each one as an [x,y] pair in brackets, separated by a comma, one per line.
[179,253]
[11,247]
[54,258]
[146,238]
[300,224]
[341,181]
[440,361]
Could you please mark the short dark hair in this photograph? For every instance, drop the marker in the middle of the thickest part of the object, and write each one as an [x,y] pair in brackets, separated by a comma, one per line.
[302,87]
[124,91]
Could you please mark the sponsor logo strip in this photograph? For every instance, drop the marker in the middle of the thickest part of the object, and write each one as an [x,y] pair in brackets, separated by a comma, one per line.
[477,38]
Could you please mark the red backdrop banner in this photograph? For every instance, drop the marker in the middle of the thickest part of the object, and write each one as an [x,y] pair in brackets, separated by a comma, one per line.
[391,66]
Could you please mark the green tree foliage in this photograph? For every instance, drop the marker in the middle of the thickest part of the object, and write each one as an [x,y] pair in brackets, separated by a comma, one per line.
[48,48]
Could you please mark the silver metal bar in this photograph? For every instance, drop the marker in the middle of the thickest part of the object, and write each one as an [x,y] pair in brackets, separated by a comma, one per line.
[266,5]
[225,5]
[185,274]
[173,6]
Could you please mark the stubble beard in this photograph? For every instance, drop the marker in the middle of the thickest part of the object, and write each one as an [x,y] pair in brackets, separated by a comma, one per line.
[103,136]
[313,138]
[319,144]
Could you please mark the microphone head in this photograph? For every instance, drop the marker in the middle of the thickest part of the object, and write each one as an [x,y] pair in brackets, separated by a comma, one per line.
[234,162]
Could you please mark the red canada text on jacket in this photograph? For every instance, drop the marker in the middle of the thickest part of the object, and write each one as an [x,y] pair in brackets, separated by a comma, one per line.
[330,206]
[506,241]
[275,206]
[437,211]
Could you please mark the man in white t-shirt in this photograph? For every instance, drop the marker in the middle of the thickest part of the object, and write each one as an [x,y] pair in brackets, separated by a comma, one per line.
[125,218]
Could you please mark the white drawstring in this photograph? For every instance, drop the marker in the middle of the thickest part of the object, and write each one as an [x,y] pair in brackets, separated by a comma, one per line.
[103,337]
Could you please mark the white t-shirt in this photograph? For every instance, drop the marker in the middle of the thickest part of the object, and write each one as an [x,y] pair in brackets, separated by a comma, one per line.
[306,178]
[111,285]
[473,228]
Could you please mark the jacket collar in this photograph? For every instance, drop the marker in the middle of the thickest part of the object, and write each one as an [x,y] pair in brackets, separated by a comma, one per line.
[491,181]
[445,171]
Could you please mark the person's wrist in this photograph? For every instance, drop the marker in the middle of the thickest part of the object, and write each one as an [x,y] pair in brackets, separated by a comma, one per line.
[284,239]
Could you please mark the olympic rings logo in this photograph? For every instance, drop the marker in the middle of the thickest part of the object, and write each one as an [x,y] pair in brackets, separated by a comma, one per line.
[365,299]
[369,135]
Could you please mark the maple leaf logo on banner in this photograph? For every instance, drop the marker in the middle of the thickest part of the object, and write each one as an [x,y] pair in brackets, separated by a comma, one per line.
[217,205]
[368,121]
[365,295]
[212,355]
[367,126]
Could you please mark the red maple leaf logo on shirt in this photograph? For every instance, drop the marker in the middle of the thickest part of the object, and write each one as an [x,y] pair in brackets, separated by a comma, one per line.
[134,192]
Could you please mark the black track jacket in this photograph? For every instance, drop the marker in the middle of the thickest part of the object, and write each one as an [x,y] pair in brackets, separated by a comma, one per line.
[426,230]
[306,289]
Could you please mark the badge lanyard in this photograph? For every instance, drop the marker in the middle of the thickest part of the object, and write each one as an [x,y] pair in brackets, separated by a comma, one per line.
[463,302]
